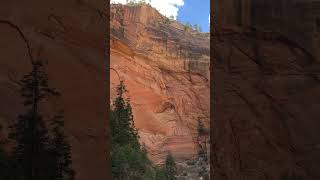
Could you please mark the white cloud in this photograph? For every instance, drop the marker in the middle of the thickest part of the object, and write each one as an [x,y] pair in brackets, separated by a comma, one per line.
[165,7]
[209,21]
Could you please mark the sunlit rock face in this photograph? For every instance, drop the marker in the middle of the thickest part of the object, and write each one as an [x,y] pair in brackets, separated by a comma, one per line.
[166,70]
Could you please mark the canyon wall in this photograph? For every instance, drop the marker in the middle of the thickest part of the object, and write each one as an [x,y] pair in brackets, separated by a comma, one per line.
[70,37]
[265,97]
[166,70]
[298,20]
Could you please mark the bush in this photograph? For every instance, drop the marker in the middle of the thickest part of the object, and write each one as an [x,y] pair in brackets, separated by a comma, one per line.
[129,161]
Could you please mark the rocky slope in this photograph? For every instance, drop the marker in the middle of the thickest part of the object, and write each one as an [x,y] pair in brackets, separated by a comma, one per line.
[70,36]
[166,70]
[266,107]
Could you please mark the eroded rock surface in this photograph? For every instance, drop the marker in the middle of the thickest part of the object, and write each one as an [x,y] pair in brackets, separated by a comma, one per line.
[266,108]
[70,36]
[166,71]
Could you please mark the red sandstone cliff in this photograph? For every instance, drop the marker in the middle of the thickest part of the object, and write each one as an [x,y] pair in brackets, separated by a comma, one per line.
[70,36]
[266,108]
[166,71]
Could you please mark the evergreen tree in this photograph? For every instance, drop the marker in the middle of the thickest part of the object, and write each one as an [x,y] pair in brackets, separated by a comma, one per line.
[29,131]
[4,164]
[4,160]
[61,151]
[291,177]
[202,133]
[187,26]
[122,124]
[170,168]
[33,157]
[128,158]
[197,27]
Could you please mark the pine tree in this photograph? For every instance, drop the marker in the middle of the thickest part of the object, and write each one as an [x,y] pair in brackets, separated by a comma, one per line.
[170,168]
[36,156]
[4,160]
[61,151]
[122,127]
[197,27]
[187,26]
[29,132]
[4,164]
[128,158]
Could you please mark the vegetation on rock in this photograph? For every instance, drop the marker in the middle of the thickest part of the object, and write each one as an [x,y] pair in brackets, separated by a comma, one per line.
[40,152]
[129,159]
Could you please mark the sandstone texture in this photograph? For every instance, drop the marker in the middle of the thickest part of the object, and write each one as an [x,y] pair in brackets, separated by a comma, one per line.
[166,70]
[70,36]
[298,20]
[265,98]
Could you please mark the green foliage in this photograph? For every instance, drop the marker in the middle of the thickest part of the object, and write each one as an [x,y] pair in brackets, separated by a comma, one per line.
[191,163]
[36,155]
[187,26]
[123,131]
[170,168]
[5,166]
[201,129]
[204,173]
[128,158]
[128,162]
[197,28]
[60,150]
[160,173]
[202,132]
[166,21]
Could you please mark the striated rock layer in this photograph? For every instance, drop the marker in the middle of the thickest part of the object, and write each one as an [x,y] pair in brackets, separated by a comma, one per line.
[266,108]
[166,70]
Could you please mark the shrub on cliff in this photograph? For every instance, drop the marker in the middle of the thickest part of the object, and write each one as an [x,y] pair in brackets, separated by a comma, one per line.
[4,163]
[170,168]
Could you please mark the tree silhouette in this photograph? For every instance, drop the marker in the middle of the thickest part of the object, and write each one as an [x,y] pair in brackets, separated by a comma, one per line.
[61,151]
[34,157]
[4,159]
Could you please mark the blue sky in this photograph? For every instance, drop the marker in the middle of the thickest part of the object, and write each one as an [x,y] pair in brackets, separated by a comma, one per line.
[192,11]
[195,12]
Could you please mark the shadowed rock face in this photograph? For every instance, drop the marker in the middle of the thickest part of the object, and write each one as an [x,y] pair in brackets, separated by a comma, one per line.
[166,71]
[266,108]
[298,20]
[70,36]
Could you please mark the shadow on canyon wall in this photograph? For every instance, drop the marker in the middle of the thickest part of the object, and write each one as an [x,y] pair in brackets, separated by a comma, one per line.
[265,89]
[71,37]
[265,93]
